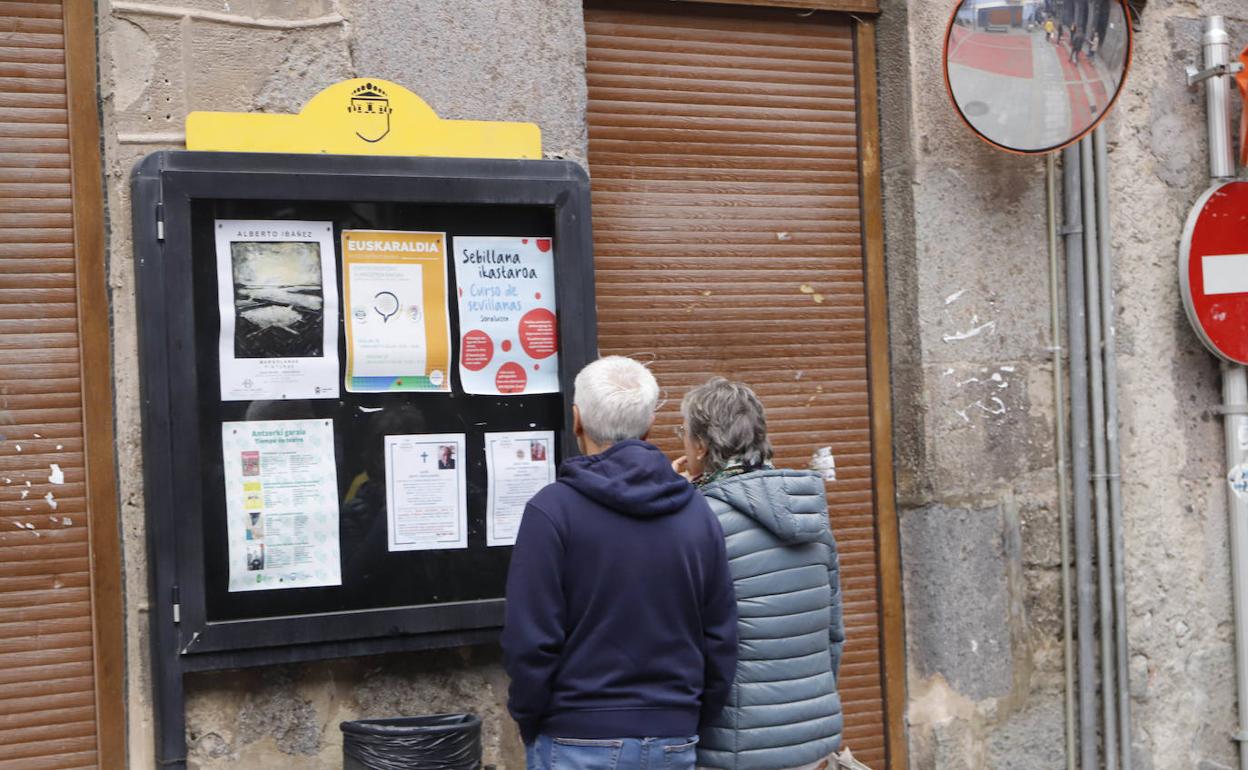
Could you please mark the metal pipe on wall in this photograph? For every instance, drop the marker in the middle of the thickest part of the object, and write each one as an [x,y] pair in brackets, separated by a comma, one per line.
[1235,397]
[1091,252]
[1063,509]
[1076,330]
[1217,52]
[1109,333]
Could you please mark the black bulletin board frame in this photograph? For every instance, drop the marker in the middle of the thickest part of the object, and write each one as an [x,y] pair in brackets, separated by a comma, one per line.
[167,186]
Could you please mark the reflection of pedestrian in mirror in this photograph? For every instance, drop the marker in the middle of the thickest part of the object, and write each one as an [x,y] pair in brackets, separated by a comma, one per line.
[446,458]
[782,556]
[1076,43]
[1049,29]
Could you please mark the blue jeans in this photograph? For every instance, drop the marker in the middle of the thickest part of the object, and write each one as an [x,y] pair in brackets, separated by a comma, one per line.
[547,753]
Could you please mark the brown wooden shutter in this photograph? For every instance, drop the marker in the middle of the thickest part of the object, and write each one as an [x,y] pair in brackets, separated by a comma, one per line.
[47,698]
[724,156]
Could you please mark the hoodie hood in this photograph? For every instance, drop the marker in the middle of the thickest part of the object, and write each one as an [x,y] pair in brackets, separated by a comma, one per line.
[632,478]
[792,505]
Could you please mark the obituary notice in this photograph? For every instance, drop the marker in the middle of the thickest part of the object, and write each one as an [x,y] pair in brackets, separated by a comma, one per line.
[426,497]
[518,465]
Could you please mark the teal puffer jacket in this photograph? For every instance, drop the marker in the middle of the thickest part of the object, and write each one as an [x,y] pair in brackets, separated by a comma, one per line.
[784,710]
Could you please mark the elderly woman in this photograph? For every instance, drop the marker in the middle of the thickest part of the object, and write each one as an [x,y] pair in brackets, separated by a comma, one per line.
[784,710]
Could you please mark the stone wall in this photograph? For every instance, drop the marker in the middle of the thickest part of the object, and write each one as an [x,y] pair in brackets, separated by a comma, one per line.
[159,61]
[968,284]
[973,397]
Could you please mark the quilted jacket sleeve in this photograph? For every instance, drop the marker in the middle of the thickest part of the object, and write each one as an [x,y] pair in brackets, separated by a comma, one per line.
[836,621]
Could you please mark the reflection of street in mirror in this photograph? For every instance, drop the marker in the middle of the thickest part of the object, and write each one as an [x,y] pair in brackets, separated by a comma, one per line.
[1036,74]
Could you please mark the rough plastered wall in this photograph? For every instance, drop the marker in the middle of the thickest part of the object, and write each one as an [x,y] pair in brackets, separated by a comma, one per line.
[161,60]
[975,409]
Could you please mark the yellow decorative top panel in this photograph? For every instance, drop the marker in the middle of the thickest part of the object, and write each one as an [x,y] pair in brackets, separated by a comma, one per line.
[363,116]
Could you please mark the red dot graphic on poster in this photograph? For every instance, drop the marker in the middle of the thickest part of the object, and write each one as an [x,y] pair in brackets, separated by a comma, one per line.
[538,335]
[511,378]
[477,351]
[543,245]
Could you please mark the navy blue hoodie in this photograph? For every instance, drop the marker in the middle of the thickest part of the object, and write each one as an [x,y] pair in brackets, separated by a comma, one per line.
[621,617]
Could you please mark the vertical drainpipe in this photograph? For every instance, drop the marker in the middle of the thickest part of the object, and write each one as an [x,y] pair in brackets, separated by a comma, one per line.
[1063,483]
[1109,333]
[1091,254]
[1217,52]
[1076,331]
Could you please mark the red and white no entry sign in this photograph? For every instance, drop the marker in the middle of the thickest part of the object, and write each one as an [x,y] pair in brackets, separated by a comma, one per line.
[1213,270]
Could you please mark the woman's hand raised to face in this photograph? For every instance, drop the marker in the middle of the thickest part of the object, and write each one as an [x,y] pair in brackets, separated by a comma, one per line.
[681,466]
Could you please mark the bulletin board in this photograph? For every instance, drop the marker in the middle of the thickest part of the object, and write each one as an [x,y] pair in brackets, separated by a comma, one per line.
[264,299]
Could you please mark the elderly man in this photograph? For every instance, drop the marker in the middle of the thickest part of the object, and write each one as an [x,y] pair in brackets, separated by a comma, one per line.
[621,630]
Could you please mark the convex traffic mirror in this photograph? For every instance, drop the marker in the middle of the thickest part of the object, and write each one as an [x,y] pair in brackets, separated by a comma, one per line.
[1032,76]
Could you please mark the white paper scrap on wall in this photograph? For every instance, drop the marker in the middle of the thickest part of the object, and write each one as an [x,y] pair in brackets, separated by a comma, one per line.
[1238,478]
[824,462]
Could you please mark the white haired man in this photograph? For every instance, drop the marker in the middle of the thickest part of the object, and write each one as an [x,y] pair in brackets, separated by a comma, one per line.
[621,629]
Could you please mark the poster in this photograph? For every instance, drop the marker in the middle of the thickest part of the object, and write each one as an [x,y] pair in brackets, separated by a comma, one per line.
[509,334]
[277,294]
[281,504]
[395,299]
[518,465]
[426,498]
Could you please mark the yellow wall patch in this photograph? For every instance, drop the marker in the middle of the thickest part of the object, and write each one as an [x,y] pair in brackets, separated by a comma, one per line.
[363,116]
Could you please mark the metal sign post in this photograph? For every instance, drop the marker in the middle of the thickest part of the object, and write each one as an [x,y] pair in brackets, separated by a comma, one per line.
[1220,287]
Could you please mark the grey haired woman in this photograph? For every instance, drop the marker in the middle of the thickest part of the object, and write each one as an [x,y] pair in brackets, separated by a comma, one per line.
[784,710]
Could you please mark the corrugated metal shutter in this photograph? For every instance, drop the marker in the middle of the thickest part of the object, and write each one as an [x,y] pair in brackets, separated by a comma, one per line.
[47,702]
[724,156]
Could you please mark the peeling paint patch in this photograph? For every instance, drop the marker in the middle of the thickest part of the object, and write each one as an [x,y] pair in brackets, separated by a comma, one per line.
[969,333]
[51,500]
[57,476]
[806,289]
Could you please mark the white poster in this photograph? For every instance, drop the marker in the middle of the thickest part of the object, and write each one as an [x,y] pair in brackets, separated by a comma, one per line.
[509,335]
[281,504]
[277,294]
[426,497]
[518,465]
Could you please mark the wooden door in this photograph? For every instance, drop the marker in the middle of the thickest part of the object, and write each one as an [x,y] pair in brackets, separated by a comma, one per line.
[728,236]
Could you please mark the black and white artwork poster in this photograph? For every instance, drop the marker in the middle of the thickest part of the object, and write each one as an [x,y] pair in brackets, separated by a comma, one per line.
[278,300]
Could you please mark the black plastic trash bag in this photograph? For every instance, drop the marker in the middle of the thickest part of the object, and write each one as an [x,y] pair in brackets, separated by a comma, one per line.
[440,742]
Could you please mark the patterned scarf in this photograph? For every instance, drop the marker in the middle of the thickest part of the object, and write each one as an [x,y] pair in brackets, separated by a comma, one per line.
[733,468]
